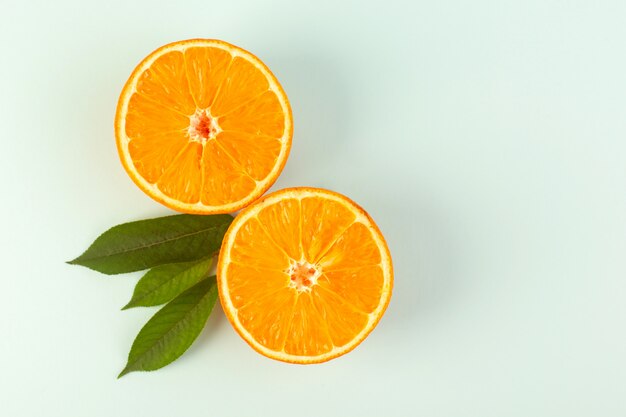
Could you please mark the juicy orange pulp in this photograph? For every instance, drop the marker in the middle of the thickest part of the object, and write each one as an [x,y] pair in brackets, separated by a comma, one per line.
[203,126]
[304,275]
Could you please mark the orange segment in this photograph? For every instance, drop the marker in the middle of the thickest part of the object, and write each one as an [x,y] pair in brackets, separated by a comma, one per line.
[152,154]
[243,82]
[206,69]
[208,122]
[253,247]
[304,275]
[308,334]
[342,320]
[165,82]
[146,118]
[224,179]
[354,248]
[262,116]
[184,173]
[268,318]
[277,220]
[256,154]
[369,280]
[325,220]
[263,282]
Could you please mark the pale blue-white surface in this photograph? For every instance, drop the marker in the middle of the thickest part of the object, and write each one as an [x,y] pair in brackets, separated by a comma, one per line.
[486,138]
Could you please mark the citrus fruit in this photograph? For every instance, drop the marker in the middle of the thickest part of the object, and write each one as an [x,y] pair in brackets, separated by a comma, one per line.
[203,126]
[304,275]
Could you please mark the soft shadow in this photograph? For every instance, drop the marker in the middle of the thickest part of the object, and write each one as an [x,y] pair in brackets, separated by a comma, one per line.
[424,247]
[425,253]
[319,93]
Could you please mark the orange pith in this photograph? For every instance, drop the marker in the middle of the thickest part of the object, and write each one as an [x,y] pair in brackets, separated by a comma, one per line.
[304,275]
[203,126]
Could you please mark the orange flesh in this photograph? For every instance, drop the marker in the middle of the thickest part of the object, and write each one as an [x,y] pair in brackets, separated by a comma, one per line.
[204,127]
[304,276]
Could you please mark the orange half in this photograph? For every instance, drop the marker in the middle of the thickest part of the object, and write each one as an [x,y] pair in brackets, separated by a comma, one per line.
[203,126]
[304,275]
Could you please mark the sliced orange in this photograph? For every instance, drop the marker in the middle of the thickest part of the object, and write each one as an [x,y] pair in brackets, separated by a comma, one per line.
[304,275]
[203,126]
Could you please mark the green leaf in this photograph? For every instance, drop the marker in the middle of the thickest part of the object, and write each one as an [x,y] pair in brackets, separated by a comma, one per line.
[164,282]
[170,332]
[147,243]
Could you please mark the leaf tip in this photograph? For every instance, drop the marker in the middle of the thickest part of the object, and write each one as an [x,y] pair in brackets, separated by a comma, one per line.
[126,307]
[124,372]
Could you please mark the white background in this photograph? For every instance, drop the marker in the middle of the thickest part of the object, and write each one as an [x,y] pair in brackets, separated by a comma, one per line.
[486,138]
